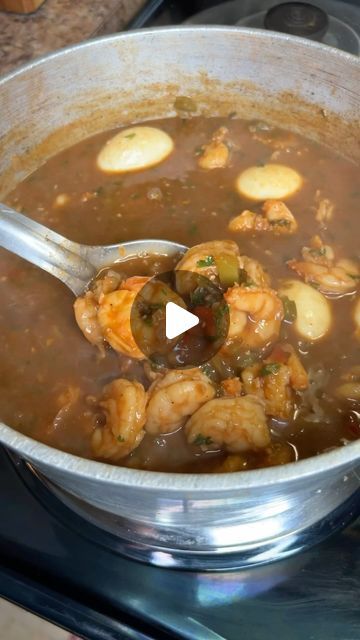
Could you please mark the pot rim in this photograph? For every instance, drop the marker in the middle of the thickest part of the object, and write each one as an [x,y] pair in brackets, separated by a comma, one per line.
[129,35]
[41,453]
[215,482]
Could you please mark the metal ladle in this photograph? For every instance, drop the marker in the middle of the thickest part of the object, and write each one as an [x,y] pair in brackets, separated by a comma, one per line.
[76,265]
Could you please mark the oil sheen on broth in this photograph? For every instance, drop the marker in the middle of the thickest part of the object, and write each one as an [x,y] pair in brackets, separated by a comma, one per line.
[299,386]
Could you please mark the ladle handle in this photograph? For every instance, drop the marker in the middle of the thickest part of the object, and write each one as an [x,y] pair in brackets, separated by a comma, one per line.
[45,248]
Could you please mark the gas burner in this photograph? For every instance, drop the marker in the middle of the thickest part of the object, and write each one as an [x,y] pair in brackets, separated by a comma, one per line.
[332,22]
[132,540]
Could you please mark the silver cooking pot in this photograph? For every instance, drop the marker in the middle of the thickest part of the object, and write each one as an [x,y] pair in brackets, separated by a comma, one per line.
[202,521]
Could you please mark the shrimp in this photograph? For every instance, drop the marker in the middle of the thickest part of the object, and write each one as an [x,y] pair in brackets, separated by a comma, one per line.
[233,424]
[86,315]
[203,259]
[124,405]
[114,315]
[324,209]
[216,154]
[356,316]
[255,315]
[319,266]
[175,397]
[134,283]
[318,252]
[110,282]
[277,218]
[336,280]
[256,274]
[275,380]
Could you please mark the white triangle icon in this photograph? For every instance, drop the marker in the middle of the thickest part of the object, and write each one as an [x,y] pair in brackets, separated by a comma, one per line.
[178,320]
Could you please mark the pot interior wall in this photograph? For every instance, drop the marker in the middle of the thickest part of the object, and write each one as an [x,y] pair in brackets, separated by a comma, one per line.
[54,103]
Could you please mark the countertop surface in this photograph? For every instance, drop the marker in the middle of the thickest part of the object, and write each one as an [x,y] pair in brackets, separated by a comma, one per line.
[58,23]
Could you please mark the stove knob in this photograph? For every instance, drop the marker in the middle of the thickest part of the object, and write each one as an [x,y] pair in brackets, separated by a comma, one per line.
[297,19]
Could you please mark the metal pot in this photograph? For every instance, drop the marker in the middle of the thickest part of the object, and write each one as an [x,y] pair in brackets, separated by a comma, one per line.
[202,521]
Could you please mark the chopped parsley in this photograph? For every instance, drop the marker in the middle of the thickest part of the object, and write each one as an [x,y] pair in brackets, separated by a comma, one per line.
[269,368]
[220,311]
[354,276]
[290,310]
[200,439]
[198,296]
[120,439]
[130,136]
[208,261]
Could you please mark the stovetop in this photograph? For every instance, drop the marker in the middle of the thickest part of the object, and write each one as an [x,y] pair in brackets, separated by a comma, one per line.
[62,568]
[52,566]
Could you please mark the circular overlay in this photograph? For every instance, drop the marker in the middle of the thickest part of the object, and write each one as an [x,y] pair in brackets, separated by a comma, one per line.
[152,319]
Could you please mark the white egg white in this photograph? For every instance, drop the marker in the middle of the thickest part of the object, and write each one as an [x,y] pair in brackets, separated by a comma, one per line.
[314,315]
[134,149]
[269,182]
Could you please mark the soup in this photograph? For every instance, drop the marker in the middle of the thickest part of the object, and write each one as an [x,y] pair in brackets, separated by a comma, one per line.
[270,219]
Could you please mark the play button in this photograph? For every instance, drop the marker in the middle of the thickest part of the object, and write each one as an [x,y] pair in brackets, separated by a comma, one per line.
[178,320]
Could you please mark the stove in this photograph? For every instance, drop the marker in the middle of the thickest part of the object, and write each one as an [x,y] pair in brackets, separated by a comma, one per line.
[63,567]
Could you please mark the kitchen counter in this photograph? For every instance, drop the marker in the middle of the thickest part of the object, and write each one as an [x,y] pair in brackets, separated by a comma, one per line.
[58,23]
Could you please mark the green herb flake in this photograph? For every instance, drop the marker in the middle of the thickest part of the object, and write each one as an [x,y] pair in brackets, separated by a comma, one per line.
[193,229]
[200,439]
[130,136]
[354,276]
[198,296]
[199,151]
[290,310]
[269,369]
[208,261]
[99,191]
[220,312]
[120,439]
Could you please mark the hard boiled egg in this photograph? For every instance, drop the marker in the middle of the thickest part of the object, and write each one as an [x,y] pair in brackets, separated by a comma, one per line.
[134,149]
[272,181]
[314,315]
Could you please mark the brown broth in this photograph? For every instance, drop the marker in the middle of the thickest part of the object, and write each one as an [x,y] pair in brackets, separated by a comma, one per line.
[43,354]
